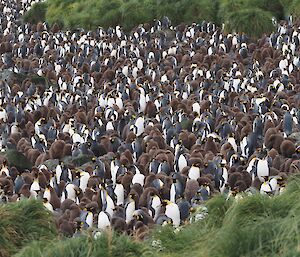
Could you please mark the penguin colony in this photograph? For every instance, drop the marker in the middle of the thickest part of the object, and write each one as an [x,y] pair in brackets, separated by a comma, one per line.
[168,115]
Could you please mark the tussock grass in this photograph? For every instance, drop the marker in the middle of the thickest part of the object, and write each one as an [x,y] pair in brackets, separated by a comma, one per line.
[253,226]
[23,222]
[17,159]
[252,17]
[108,244]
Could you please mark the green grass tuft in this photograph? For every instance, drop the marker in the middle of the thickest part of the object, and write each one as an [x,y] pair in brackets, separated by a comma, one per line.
[253,226]
[37,13]
[250,16]
[17,159]
[108,244]
[23,222]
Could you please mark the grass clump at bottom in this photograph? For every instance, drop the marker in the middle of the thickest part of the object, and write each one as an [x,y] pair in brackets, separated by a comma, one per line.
[253,226]
[256,225]
[108,244]
[23,222]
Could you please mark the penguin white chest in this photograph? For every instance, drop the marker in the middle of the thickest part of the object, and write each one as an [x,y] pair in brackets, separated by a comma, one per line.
[173,193]
[35,186]
[129,211]
[89,219]
[47,194]
[138,178]
[156,203]
[182,162]
[70,191]
[110,205]
[262,169]
[58,172]
[48,206]
[84,181]
[119,191]
[194,173]
[103,221]
[172,211]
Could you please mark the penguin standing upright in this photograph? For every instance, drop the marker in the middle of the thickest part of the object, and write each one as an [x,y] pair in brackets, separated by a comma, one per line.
[194,171]
[87,217]
[177,187]
[35,186]
[154,205]
[71,192]
[138,177]
[47,205]
[172,211]
[130,206]
[107,202]
[287,124]
[180,160]
[83,180]
[119,192]
[184,208]
[262,169]
[104,220]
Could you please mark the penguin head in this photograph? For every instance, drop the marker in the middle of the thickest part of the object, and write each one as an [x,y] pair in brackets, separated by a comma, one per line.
[235,158]
[168,222]
[281,181]
[239,186]
[223,163]
[165,202]
[45,200]
[197,164]
[138,215]
[243,160]
[266,178]
[78,174]
[102,185]
[78,224]
[78,191]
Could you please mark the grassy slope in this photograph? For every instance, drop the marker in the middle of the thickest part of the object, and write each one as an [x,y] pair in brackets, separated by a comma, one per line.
[253,226]
[22,222]
[235,14]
